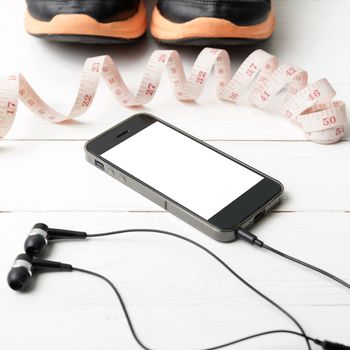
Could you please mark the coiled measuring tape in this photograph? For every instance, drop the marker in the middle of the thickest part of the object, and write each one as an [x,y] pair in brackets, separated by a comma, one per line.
[311,107]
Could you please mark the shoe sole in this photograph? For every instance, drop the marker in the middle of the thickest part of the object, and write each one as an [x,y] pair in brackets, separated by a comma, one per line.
[209,31]
[85,29]
[87,39]
[209,41]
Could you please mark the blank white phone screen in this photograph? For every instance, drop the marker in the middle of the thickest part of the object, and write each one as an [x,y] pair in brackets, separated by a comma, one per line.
[191,174]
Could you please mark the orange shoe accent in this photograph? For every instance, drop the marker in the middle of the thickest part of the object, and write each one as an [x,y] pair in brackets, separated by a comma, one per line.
[207,27]
[81,24]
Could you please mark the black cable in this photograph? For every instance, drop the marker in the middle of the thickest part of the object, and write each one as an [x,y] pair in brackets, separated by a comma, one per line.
[303,263]
[280,308]
[251,238]
[133,332]
[121,301]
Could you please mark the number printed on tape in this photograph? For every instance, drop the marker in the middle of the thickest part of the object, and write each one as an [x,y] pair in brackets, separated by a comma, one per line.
[310,106]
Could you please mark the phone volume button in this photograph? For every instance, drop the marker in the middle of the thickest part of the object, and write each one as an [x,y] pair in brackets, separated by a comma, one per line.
[122,179]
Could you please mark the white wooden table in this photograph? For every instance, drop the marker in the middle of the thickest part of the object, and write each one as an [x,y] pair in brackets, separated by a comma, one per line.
[178,297]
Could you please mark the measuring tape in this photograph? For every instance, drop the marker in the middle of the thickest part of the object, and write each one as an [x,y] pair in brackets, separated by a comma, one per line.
[311,107]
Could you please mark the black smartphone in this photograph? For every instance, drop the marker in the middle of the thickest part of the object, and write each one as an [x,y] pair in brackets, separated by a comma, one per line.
[196,182]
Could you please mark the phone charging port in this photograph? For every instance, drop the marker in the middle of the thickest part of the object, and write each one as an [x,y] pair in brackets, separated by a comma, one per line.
[99,164]
[258,216]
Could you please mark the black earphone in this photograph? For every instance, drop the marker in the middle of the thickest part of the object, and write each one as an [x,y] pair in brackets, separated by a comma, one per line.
[34,245]
[39,237]
[41,234]
[24,266]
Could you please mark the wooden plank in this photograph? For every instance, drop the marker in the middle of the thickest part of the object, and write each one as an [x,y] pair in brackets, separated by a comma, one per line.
[50,175]
[176,303]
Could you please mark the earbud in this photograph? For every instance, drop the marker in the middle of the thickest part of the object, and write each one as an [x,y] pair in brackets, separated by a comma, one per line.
[327,345]
[20,272]
[41,234]
[37,240]
[34,245]
[23,267]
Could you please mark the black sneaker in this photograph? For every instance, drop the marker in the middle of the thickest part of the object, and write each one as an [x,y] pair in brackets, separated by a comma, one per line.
[212,22]
[88,21]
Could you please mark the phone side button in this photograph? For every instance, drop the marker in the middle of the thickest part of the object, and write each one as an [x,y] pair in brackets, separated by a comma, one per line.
[122,179]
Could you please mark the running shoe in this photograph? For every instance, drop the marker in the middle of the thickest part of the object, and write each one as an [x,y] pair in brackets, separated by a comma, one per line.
[87,21]
[212,22]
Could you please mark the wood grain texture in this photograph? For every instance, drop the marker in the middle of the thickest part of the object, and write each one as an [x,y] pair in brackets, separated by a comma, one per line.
[178,297]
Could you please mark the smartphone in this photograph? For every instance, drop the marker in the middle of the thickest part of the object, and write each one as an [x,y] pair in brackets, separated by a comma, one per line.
[203,186]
